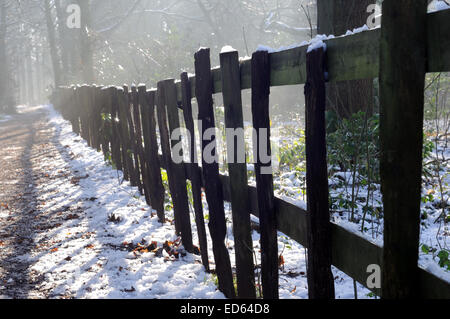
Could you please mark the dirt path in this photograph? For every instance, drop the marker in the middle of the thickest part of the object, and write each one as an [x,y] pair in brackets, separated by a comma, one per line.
[26,153]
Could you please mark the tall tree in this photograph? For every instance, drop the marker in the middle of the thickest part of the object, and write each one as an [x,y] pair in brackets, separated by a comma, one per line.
[52,42]
[6,98]
[63,41]
[86,41]
[336,17]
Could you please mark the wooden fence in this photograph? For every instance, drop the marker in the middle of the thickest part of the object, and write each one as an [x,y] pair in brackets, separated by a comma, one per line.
[123,122]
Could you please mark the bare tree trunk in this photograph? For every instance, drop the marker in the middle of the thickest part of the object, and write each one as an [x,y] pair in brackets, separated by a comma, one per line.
[3,62]
[87,58]
[336,17]
[63,42]
[52,42]
[30,81]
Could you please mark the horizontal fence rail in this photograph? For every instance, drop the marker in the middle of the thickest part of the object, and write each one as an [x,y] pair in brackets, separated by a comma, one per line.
[349,58]
[132,112]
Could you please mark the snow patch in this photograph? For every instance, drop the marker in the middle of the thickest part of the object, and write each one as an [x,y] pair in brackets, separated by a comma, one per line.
[227,49]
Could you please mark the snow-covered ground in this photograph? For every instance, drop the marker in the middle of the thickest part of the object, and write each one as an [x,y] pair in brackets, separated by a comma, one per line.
[92,256]
[290,184]
[112,248]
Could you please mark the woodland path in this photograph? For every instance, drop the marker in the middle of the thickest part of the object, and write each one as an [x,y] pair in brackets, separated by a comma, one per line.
[26,154]
[57,237]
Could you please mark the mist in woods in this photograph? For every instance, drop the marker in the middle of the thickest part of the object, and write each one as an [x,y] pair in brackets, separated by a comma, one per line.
[48,43]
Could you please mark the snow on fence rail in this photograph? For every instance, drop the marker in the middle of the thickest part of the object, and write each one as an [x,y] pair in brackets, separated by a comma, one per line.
[122,123]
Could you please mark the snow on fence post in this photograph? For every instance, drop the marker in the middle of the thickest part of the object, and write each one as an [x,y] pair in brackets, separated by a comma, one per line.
[260,71]
[403,63]
[181,207]
[152,163]
[213,187]
[237,169]
[320,277]
[193,169]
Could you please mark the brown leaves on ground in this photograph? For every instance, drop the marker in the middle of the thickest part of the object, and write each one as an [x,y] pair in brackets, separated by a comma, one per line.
[76,179]
[172,248]
[72,216]
[141,247]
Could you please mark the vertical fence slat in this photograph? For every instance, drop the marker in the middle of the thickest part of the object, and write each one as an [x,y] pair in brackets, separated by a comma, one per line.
[180,204]
[84,108]
[94,113]
[135,178]
[237,168]
[72,112]
[105,127]
[194,172]
[122,98]
[403,57]
[178,171]
[99,109]
[153,170]
[77,110]
[139,144]
[165,148]
[264,181]
[213,186]
[136,136]
[90,115]
[320,277]
[115,138]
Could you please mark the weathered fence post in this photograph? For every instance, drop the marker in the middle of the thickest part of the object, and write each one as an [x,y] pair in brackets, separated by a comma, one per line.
[113,102]
[137,131]
[99,103]
[193,168]
[237,168]
[179,200]
[264,180]
[73,110]
[213,187]
[76,110]
[127,162]
[94,114]
[104,126]
[155,185]
[85,103]
[135,176]
[180,187]
[320,277]
[403,58]
[137,109]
